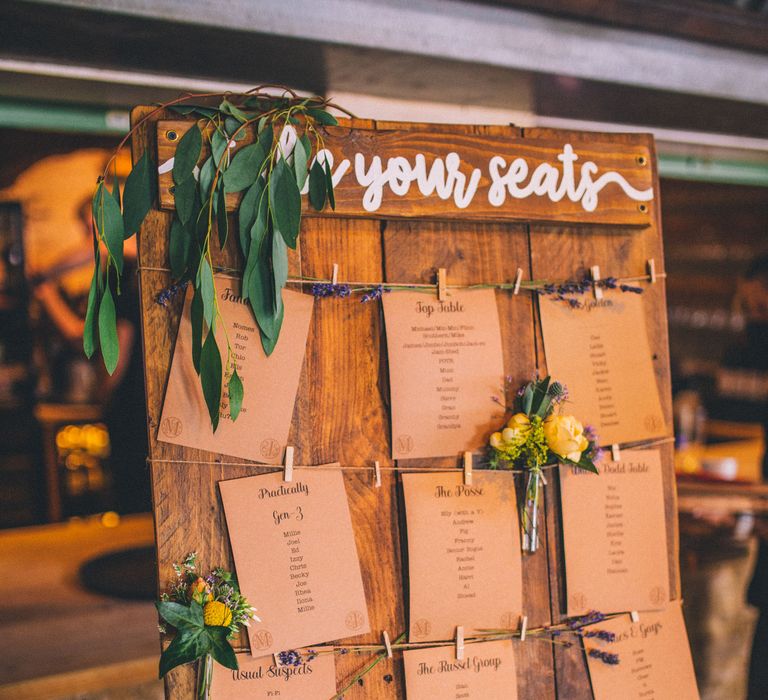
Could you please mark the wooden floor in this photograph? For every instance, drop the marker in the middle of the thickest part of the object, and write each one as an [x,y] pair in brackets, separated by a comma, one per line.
[59,640]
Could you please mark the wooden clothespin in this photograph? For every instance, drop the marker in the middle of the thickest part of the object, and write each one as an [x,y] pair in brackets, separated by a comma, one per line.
[288,464]
[543,478]
[459,643]
[335,274]
[468,469]
[651,265]
[635,616]
[377,477]
[442,291]
[523,627]
[518,280]
[387,644]
[616,452]
[598,290]
[276,660]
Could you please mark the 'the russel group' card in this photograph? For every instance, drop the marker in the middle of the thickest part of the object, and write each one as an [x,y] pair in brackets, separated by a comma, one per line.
[445,363]
[600,351]
[295,558]
[261,430]
[614,535]
[261,679]
[487,672]
[464,561]
[654,658]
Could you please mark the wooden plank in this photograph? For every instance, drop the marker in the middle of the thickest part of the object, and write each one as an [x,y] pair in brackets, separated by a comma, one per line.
[376,163]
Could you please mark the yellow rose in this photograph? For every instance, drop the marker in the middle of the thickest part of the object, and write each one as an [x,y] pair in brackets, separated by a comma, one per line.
[517,429]
[565,436]
[216,614]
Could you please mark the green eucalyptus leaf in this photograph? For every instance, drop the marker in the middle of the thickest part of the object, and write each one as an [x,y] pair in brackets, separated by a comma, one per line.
[110,349]
[285,202]
[210,377]
[317,186]
[231,125]
[109,223]
[187,154]
[261,294]
[181,616]
[266,138]
[322,117]
[267,342]
[178,248]
[219,143]
[138,194]
[245,168]
[246,214]
[90,329]
[222,222]
[221,649]
[279,267]
[329,185]
[300,158]
[227,107]
[184,195]
[207,291]
[235,390]
[206,177]
[196,317]
[190,109]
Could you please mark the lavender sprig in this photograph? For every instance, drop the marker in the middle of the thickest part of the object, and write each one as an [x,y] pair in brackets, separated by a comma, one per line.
[605,656]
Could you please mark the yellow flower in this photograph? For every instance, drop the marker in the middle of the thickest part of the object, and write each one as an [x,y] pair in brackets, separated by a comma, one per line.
[216,614]
[565,436]
[517,429]
[199,591]
[496,440]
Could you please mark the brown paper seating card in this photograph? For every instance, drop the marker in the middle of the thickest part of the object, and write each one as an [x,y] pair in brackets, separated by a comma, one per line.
[261,679]
[487,672]
[615,535]
[464,560]
[600,351]
[654,658]
[445,364]
[261,430]
[296,558]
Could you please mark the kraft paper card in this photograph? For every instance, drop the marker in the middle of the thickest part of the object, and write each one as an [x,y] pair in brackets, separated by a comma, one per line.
[600,351]
[296,558]
[654,658]
[261,430]
[464,559]
[487,672]
[445,364]
[261,679]
[614,534]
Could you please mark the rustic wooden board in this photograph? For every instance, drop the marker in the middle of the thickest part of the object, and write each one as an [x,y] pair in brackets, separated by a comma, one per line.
[631,161]
[342,407]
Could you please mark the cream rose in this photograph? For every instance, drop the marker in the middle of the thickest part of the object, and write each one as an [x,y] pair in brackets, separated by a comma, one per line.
[517,429]
[565,436]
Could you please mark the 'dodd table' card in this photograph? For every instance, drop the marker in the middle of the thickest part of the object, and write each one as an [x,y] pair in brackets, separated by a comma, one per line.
[600,351]
[445,364]
[654,658]
[615,536]
[487,672]
[464,561]
[261,430]
[296,558]
[260,679]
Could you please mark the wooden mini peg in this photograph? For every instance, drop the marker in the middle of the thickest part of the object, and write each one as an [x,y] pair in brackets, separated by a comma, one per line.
[651,265]
[459,643]
[598,290]
[468,469]
[335,274]
[635,616]
[523,627]
[543,478]
[288,473]
[387,644]
[518,280]
[442,291]
[377,476]
[616,452]
[276,660]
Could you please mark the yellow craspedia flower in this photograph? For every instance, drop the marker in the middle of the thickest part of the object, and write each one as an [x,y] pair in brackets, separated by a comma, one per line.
[216,614]
[565,436]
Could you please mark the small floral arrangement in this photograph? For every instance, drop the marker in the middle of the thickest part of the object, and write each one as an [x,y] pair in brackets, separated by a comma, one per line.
[539,435]
[206,612]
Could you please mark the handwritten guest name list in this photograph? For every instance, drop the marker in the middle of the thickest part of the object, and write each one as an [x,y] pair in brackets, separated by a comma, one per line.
[487,671]
[462,540]
[445,362]
[296,558]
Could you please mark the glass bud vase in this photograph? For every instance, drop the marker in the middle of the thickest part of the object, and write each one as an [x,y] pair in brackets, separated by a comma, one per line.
[204,676]
[529,514]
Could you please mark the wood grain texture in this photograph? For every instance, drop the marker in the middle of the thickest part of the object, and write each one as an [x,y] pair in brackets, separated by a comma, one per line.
[631,161]
[342,406]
